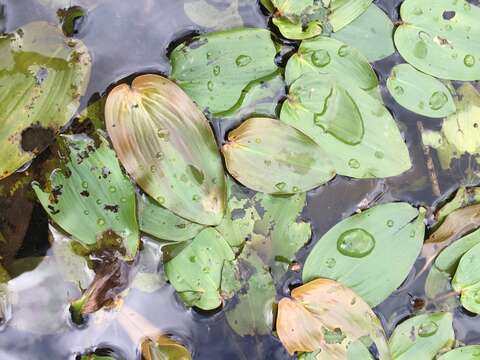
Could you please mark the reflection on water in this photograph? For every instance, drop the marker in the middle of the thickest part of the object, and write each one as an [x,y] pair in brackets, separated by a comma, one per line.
[127,37]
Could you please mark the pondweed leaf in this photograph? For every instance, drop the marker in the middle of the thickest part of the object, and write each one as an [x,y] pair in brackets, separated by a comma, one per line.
[343,12]
[440,38]
[422,336]
[471,352]
[371,33]
[467,279]
[357,251]
[324,315]
[164,348]
[214,69]
[270,156]
[166,144]
[90,198]
[419,92]
[42,76]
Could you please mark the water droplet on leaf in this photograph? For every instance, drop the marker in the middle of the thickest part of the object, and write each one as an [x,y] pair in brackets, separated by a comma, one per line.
[243,60]
[390,223]
[320,58]
[330,262]
[354,163]
[469,60]
[343,51]
[356,243]
[427,329]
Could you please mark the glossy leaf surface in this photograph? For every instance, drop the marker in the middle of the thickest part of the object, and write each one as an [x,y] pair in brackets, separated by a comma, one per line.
[442,46]
[214,69]
[324,315]
[471,352]
[420,93]
[42,77]
[343,12]
[355,252]
[90,198]
[164,348]
[166,144]
[467,279]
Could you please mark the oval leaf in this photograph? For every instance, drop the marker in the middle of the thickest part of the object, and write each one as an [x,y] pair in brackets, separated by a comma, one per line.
[437,43]
[166,144]
[90,198]
[381,151]
[422,337]
[467,279]
[42,77]
[343,12]
[269,156]
[471,352]
[357,252]
[420,93]
[214,69]
[324,315]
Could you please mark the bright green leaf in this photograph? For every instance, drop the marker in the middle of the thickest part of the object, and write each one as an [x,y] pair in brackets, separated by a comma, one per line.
[343,12]
[422,337]
[471,352]
[90,198]
[448,259]
[357,252]
[269,156]
[42,77]
[467,279]
[215,68]
[420,93]
[150,123]
[440,38]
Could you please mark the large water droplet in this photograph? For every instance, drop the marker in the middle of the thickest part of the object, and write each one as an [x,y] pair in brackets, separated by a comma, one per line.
[243,60]
[343,50]
[427,328]
[320,58]
[469,60]
[354,163]
[438,100]
[420,50]
[356,243]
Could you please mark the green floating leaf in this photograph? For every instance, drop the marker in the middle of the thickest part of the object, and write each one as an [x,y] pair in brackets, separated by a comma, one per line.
[357,252]
[164,348]
[463,197]
[422,337]
[252,313]
[324,315]
[449,258]
[460,133]
[420,93]
[440,38]
[371,33]
[332,58]
[167,145]
[471,352]
[104,198]
[42,77]
[343,12]
[467,277]
[269,156]
[362,140]
[214,69]
[164,224]
[195,269]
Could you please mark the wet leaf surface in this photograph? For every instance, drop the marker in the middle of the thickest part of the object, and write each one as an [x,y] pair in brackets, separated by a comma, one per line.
[269,156]
[324,315]
[42,76]
[343,12]
[105,199]
[164,348]
[420,93]
[467,281]
[166,144]
[422,337]
[214,69]
[357,251]
[471,352]
[442,46]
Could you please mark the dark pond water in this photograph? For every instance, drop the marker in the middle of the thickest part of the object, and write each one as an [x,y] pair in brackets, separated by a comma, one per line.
[127,37]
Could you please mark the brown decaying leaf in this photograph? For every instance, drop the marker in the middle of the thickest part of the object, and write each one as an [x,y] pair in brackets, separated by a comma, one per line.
[323,307]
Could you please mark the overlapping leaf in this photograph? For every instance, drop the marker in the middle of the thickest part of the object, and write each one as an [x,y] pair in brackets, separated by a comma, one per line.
[357,251]
[471,352]
[324,315]
[343,12]
[166,144]
[440,38]
[467,279]
[214,69]
[42,77]
[269,156]
[104,198]
[422,337]
[420,93]
[164,348]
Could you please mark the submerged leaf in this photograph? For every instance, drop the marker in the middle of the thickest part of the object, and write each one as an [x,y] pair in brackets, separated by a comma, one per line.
[202,13]
[471,352]
[437,43]
[371,33]
[269,156]
[324,315]
[104,198]
[42,77]
[420,93]
[214,69]
[422,337]
[164,348]
[366,142]
[357,252]
[166,144]
[195,271]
